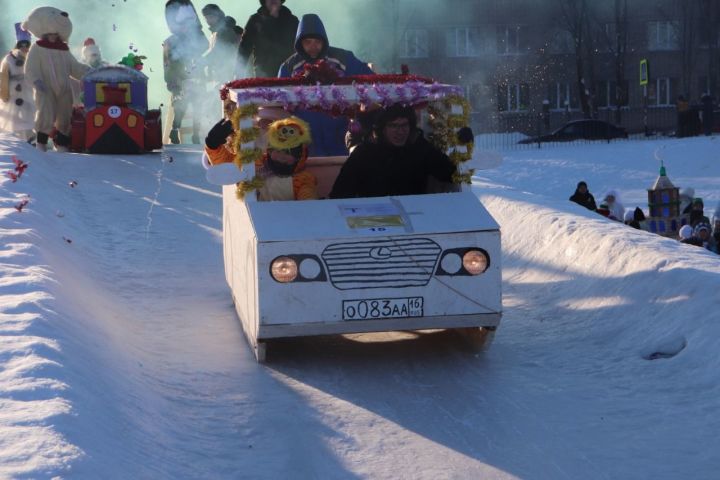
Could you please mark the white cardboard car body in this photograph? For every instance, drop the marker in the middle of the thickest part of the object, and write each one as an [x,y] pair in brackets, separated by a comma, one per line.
[365,264]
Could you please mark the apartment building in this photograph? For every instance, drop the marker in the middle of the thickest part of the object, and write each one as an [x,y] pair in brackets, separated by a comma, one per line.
[518,59]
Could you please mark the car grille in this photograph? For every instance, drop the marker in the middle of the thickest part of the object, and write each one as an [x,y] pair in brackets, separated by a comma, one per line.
[396,263]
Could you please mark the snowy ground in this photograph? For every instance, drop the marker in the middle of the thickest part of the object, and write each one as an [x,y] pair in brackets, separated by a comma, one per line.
[121,356]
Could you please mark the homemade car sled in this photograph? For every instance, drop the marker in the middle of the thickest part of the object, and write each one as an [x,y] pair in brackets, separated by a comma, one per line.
[338,266]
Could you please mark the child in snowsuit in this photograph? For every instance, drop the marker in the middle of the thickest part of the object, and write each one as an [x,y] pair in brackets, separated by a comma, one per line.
[17,108]
[50,67]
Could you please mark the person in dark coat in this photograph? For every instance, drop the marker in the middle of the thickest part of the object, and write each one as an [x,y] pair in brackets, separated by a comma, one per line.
[312,47]
[583,197]
[181,52]
[697,213]
[268,38]
[708,105]
[398,162]
[222,56]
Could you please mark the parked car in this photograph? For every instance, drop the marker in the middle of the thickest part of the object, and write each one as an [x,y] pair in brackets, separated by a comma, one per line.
[581,130]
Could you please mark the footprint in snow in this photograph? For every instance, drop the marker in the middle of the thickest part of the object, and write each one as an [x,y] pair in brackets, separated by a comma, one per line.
[666,349]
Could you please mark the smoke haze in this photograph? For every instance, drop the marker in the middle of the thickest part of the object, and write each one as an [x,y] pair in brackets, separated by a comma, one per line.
[116,25]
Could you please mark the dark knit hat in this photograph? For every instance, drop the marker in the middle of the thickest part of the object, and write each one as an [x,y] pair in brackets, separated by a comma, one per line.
[212,9]
[262,2]
[393,112]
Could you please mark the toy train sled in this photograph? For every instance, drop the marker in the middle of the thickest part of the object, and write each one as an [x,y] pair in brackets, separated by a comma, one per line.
[115,116]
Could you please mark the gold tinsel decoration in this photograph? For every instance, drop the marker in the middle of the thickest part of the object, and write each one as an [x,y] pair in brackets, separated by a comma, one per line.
[444,135]
[245,156]
[244,187]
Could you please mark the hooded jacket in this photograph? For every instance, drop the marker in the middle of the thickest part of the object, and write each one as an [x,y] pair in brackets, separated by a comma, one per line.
[328,133]
[617,209]
[267,41]
[344,61]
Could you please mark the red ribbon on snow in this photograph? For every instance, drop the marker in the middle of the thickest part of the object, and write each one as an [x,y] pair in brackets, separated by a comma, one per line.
[22,204]
[20,168]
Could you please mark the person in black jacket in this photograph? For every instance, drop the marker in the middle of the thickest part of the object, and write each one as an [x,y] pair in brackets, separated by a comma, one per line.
[397,162]
[583,197]
[708,107]
[268,38]
[222,56]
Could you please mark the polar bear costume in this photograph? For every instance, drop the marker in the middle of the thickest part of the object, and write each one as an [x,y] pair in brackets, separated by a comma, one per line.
[49,68]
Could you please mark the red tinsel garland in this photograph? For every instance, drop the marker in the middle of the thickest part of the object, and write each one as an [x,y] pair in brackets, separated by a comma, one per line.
[295,81]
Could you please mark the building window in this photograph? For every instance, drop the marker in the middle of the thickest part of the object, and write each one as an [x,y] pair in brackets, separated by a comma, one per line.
[561,43]
[703,86]
[513,97]
[661,92]
[510,39]
[464,42]
[477,95]
[608,96]
[610,37]
[414,43]
[663,35]
[562,96]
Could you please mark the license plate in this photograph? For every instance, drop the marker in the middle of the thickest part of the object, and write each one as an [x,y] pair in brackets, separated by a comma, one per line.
[382,308]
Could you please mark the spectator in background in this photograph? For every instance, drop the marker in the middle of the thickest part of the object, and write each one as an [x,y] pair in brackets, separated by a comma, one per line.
[687,236]
[181,52]
[702,232]
[612,200]
[312,49]
[686,198]
[697,213]
[604,210]
[221,57]
[708,105]
[716,226]
[683,110]
[583,197]
[268,38]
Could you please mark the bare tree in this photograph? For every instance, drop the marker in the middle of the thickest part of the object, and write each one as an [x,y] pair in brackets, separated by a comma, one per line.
[574,18]
[685,15]
[615,41]
[709,29]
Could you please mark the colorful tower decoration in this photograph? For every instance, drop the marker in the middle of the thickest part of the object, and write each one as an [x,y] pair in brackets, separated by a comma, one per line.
[664,205]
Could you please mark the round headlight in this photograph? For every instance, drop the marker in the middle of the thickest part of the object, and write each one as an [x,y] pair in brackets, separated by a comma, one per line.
[475,262]
[309,268]
[284,269]
[451,263]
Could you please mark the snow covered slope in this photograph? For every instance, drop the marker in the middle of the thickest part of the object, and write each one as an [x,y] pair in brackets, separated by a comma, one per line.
[121,356]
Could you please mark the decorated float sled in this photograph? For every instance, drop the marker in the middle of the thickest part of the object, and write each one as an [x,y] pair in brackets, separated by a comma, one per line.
[337,266]
[115,117]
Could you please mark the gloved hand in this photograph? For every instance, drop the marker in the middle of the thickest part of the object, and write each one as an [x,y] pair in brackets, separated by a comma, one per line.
[40,86]
[465,135]
[218,134]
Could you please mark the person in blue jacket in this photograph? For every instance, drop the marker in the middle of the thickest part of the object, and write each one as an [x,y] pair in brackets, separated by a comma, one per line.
[312,46]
